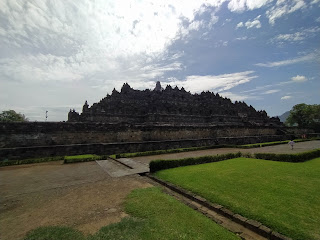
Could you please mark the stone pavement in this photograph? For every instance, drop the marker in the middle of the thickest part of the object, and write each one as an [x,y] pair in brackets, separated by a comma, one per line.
[122,167]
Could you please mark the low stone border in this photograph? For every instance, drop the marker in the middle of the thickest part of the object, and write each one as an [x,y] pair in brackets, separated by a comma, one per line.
[255,226]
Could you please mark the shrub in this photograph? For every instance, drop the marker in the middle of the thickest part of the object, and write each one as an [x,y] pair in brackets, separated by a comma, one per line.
[297,157]
[67,159]
[7,162]
[83,158]
[157,165]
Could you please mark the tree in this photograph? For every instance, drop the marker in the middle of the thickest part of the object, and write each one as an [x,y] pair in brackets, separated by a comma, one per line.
[304,115]
[12,116]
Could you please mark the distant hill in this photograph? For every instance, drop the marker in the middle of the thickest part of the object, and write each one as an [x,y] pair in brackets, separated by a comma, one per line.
[284,116]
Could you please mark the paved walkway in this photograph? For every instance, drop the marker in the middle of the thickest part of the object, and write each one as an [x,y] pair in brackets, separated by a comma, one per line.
[282,148]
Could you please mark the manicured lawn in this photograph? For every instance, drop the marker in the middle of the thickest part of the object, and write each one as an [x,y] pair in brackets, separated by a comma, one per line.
[153,216]
[283,196]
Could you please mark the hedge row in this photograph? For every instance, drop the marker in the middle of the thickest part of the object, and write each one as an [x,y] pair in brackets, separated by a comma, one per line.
[158,165]
[66,159]
[7,162]
[297,157]
[83,158]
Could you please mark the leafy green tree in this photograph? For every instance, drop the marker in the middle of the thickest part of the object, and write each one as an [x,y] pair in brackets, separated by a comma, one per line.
[12,116]
[304,115]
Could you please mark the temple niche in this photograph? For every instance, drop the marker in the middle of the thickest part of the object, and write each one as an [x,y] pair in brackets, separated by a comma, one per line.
[170,106]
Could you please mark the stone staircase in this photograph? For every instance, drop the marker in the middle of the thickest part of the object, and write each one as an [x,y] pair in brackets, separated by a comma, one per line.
[122,167]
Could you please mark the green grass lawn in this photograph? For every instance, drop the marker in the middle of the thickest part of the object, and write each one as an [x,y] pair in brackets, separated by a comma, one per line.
[54,233]
[283,196]
[153,216]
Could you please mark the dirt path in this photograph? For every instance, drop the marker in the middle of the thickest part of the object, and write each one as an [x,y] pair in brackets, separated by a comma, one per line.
[77,195]
[282,148]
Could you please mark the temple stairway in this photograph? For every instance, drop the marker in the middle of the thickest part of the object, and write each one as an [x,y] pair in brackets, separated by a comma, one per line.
[122,167]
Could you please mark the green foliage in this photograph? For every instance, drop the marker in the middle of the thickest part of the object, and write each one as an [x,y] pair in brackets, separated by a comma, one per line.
[67,159]
[297,157]
[305,116]
[158,165]
[12,116]
[80,156]
[166,218]
[283,196]
[54,233]
[83,158]
[6,162]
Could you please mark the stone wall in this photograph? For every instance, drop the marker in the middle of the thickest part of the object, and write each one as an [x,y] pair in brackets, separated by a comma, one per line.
[114,148]
[20,140]
[61,133]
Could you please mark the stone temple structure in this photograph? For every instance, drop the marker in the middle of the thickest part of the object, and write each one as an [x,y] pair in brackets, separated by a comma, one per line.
[171,106]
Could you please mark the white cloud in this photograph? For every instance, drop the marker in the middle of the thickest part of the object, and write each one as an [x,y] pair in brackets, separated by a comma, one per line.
[195,25]
[43,68]
[254,4]
[272,91]
[87,48]
[221,43]
[239,25]
[299,78]
[297,36]
[255,23]
[242,5]
[237,5]
[305,58]
[286,97]
[196,83]
[118,28]
[235,96]
[213,20]
[284,7]
[242,38]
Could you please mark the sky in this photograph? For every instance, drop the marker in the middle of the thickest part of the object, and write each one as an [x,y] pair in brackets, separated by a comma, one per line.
[56,54]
